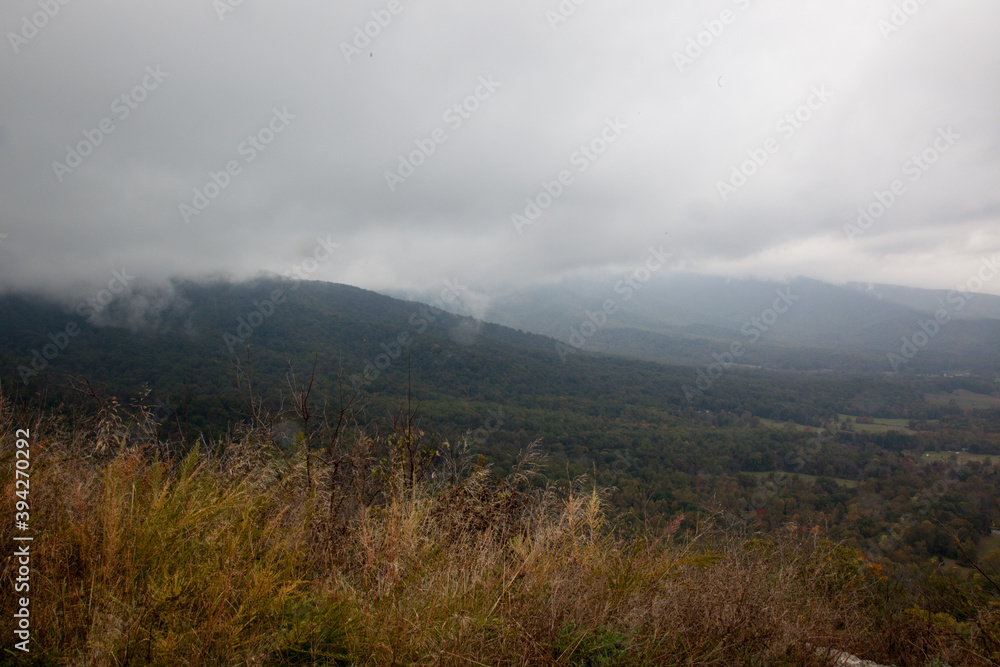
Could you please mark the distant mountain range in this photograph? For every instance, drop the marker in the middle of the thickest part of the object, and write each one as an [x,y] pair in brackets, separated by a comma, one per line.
[802,324]
[563,361]
[979,307]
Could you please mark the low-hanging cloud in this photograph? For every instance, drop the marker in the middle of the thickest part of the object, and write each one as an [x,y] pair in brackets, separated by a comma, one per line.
[202,86]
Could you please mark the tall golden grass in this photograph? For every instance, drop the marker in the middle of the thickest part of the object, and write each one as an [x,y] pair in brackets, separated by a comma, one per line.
[234,554]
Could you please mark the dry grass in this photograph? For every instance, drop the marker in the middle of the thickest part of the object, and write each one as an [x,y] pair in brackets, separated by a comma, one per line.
[234,556]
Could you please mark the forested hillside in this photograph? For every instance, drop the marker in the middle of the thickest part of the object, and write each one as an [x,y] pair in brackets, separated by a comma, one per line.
[902,469]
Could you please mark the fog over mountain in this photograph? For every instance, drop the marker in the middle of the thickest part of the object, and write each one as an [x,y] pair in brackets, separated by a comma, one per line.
[800,323]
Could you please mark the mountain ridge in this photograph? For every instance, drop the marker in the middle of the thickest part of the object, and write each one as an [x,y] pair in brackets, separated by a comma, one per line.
[680,317]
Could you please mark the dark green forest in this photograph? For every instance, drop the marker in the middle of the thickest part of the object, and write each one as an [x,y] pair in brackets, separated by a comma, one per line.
[896,465]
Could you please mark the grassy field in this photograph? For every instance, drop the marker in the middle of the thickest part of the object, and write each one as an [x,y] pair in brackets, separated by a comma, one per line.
[848,483]
[962,457]
[249,554]
[880,425]
[965,399]
[771,423]
[988,544]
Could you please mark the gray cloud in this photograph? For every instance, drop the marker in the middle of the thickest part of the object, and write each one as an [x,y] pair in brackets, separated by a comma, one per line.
[324,174]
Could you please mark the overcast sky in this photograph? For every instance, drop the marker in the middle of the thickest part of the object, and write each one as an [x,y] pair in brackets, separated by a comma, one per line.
[338,117]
